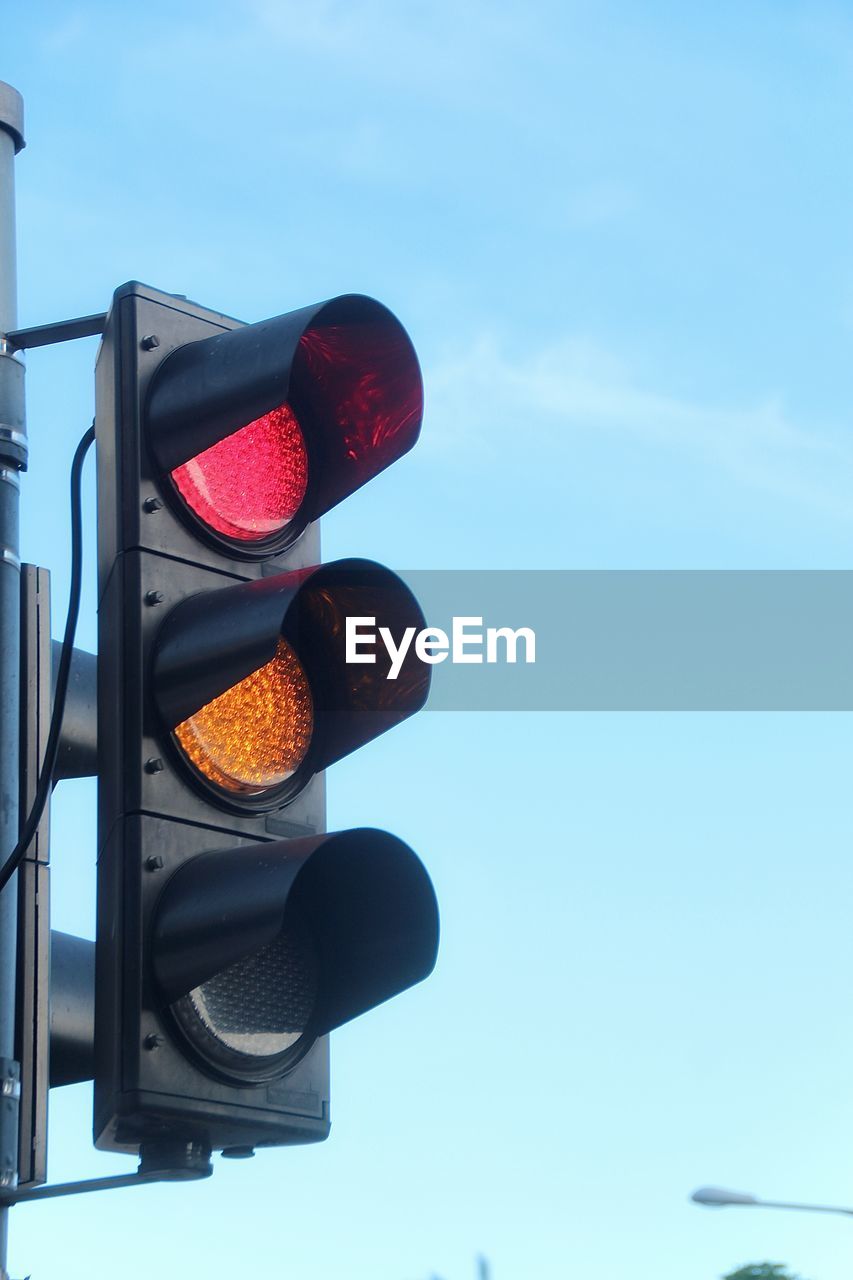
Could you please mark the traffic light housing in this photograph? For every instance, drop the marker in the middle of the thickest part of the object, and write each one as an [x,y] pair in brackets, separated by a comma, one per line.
[233,933]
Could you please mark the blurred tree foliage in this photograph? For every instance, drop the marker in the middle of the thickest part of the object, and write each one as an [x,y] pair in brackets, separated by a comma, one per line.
[761,1271]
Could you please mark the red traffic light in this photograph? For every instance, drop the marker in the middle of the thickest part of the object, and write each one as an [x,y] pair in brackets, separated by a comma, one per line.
[259,430]
[250,485]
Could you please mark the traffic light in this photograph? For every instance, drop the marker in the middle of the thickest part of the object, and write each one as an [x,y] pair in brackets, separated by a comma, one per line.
[233,932]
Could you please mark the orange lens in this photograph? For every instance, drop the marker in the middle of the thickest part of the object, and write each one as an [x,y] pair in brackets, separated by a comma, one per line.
[256,734]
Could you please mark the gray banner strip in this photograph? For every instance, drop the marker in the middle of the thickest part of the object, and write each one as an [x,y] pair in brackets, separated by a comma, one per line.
[647,641]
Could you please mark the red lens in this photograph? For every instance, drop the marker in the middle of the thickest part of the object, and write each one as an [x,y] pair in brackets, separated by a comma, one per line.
[361,384]
[250,485]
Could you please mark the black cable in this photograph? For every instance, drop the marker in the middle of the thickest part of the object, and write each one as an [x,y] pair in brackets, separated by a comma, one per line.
[45,782]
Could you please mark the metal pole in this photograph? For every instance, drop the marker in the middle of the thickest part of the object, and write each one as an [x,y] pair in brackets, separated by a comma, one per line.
[13,459]
[720,1198]
[804,1208]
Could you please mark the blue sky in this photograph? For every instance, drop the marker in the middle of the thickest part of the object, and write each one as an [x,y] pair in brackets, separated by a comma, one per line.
[620,238]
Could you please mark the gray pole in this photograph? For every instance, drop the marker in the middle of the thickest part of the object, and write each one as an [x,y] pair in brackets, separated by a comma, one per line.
[719,1197]
[12,460]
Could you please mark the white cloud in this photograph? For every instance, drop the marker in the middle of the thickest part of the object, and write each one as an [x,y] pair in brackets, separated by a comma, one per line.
[574,388]
[427,47]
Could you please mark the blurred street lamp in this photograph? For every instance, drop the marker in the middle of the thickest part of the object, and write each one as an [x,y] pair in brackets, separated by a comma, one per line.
[719,1197]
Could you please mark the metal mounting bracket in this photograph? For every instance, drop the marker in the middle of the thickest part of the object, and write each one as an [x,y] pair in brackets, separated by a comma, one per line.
[170,1161]
[46,335]
[92,1184]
